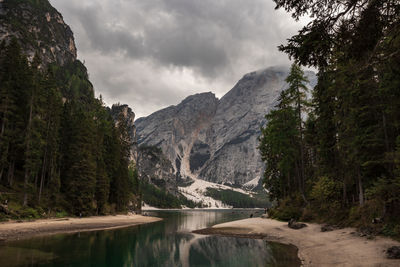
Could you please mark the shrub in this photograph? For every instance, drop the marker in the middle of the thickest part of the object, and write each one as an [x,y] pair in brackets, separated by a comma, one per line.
[307,215]
[326,189]
[289,208]
[29,213]
[61,214]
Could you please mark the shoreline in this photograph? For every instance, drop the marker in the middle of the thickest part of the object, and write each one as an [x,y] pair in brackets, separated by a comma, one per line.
[10,231]
[340,247]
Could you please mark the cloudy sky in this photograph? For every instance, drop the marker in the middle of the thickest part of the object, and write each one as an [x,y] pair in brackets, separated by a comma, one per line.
[153,53]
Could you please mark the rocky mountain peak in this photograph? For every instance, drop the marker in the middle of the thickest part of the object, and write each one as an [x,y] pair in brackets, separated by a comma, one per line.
[39,28]
[124,114]
[216,140]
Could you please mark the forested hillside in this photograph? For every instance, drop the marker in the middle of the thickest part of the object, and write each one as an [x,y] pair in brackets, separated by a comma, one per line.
[60,149]
[336,158]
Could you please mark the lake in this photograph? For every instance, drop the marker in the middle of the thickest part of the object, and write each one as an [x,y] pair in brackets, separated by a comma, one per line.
[165,243]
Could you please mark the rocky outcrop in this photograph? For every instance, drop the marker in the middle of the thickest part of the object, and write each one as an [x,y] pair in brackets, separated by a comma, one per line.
[152,165]
[155,168]
[124,114]
[393,252]
[296,225]
[216,140]
[180,131]
[39,29]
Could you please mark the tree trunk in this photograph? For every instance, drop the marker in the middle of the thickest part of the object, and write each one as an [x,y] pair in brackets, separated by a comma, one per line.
[10,175]
[360,189]
[3,126]
[3,123]
[36,181]
[44,167]
[26,180]
[344,200]
[42,176]
[302,168]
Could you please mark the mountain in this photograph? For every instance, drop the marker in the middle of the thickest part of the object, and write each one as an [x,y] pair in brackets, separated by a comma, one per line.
[62,151]
[124,114]
[216,139]
[39,29]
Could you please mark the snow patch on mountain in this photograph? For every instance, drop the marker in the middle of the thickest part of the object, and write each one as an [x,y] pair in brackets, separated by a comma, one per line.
[250,185]
[197,192]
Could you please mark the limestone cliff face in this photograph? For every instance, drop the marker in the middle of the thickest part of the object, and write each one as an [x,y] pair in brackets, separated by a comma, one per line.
[178,130]
[39,28]
[123,113]
[155,168]
[216,140]
[152,165]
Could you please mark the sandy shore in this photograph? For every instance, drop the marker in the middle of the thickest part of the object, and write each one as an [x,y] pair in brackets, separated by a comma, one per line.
[22,230]
[342,247]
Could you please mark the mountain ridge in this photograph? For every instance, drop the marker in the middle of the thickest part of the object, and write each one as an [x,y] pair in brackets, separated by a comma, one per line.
[216,139]
[46,34]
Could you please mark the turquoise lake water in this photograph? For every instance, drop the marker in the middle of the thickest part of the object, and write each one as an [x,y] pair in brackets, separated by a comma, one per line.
[165,243]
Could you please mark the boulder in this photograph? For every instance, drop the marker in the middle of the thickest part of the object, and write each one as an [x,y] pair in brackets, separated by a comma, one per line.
[377,220]
[327,228]
[4,209]
[393,252]
[264,216]
[296,225]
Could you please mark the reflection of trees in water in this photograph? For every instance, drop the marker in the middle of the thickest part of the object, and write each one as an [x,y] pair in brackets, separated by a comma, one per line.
[165,243]
[283,255]
[229,251]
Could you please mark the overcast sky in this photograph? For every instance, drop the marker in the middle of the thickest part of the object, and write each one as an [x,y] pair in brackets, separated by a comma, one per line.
[150,54]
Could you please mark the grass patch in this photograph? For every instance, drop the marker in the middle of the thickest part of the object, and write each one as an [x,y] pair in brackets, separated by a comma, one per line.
[156,197]
[239,200]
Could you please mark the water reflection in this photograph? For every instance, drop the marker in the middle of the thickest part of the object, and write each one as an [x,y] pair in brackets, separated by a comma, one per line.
[165,243]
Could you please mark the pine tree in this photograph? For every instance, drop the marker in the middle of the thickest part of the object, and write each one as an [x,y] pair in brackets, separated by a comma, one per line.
[281,142]
[15,79]
[79,168]
[298,99]
[356,118]
[120,179]
[104,127]
[33,134]
[278,148]
[51,116]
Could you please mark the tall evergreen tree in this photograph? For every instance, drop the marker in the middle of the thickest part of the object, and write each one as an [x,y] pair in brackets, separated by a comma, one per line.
[79,171]
[281,142]
[352,130]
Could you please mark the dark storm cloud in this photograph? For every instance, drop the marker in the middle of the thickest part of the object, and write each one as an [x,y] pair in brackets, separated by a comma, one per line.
[213,42]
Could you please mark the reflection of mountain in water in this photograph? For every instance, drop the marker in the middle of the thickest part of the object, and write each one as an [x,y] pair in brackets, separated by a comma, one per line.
[165,243]
[229,251]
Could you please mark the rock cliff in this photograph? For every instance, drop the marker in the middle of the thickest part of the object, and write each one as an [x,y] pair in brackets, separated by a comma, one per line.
[216,139]
[123,113]
[39,28]
[155,168]
[152,165]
